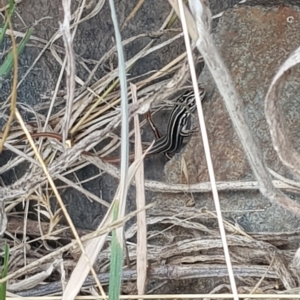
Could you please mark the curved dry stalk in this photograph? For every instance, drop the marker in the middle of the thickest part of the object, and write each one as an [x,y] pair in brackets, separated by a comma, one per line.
[288,155]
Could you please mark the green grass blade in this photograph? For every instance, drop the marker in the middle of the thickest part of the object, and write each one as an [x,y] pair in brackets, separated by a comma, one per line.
[4,273]
[6,67]
[119,207]
[115,274]
[10,12]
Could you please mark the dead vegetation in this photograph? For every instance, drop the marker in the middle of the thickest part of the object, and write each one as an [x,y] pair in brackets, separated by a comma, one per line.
[44,252]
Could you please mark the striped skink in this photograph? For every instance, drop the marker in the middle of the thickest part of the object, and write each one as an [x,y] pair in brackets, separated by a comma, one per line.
[177,128]
[177,125]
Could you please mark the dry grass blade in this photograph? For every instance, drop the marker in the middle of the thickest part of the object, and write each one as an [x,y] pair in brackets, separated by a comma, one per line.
[82,190]
[141,251]
[120,199]
[70,66]
[100,129]
[236,110]
[56,36]
[81,270]
[284,179]
[40,158]
[14,91]
[52,184]
[190,20]
[111,80]
[282,144]
[71,156]
[104,230]
[200,252]
[33,281]
[211,172]
[94,246]
[263,277]
[132,14]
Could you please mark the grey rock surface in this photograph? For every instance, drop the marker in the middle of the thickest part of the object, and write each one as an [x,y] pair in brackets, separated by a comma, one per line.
[254,42]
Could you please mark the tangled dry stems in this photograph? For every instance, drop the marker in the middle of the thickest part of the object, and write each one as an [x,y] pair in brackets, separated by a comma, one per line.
[95,118]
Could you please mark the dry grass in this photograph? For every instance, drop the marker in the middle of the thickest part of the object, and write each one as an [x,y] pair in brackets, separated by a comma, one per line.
[91,115]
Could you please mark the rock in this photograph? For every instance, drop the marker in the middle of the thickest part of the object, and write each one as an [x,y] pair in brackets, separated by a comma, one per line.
[253,42]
